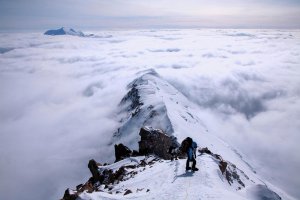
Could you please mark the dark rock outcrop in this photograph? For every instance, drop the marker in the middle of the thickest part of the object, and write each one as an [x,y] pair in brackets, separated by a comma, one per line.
[133,97]
[93,166]
[70,195]
[154,141]
[205,150]
[229,170]
[127,192]
[121,152]
[223,166]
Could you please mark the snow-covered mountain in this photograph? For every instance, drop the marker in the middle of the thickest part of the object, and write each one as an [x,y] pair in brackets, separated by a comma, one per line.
[66,100]
[64,31]
[73,32]
[153,102]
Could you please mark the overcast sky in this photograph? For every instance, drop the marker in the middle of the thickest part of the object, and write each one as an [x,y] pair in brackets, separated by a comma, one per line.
[40,14]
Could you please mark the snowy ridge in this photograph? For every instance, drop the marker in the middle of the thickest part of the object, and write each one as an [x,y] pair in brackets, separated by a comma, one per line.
[152,178]
[152,101]
[72,32]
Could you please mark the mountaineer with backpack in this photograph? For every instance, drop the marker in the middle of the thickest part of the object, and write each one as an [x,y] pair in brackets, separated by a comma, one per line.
[189,147]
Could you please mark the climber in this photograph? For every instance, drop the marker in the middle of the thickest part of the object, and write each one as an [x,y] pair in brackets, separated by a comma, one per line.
[191,153]
[189,147]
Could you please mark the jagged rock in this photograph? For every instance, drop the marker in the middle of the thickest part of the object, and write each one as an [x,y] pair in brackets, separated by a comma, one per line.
[135,153]
[127,192]
[94,170]
[205,150]
[110,177]
[79,186]
[229,170]
[88,186]
[232,175]
[134,97]
[154,141]
[106,176]
[70,195]
[118,175]
[121,152]
[222,166]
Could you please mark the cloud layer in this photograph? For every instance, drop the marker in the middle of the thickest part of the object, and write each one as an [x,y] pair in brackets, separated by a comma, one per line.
[59,96]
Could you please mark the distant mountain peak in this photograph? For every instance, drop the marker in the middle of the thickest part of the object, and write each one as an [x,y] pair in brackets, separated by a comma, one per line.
[64,31]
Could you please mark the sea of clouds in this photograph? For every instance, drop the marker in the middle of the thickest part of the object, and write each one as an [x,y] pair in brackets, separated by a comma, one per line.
[59,99]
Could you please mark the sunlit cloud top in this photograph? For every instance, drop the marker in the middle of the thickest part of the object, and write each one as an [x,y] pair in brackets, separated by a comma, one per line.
[34,14]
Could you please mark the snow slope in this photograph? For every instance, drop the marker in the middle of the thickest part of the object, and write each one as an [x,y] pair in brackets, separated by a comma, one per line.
[162,106]
[169,180]
[152,101]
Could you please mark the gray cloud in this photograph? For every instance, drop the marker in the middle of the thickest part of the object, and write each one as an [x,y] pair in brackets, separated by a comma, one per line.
[229,97]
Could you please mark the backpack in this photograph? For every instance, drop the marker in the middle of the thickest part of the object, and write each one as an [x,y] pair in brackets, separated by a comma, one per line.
[185,144]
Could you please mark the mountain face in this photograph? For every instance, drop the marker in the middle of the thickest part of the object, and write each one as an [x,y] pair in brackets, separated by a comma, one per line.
[64,31]
[154,103]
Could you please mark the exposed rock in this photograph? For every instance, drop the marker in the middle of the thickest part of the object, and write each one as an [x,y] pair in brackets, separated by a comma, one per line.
[154,141]
[134,98]
[232,175]
[204,150]
[229,170]
[88,186]
[70,195]
[127,192]
[94,170]
[121,152]
[222,166]
[135,153]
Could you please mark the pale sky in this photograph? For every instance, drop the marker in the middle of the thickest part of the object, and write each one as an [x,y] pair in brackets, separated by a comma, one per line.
[40,14]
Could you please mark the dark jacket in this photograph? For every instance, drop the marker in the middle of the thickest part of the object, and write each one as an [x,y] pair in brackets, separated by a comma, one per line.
[191,152]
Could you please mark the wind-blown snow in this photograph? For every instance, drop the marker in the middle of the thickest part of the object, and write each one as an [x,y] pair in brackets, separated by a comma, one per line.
[60,96]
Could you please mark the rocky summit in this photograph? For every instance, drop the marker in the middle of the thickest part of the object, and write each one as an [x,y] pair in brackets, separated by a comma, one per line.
[129,175]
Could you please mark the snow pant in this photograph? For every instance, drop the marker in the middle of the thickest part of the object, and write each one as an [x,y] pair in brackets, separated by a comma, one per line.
[188,163]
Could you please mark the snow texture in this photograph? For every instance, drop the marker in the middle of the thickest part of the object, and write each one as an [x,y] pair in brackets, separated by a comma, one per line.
[168,180]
